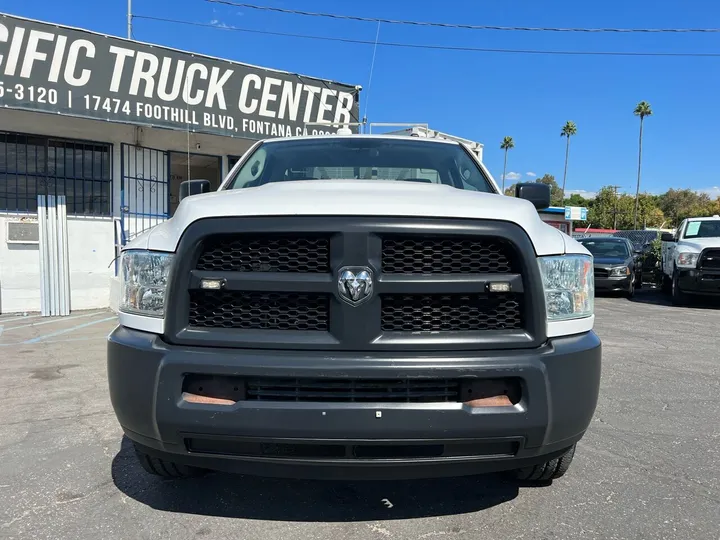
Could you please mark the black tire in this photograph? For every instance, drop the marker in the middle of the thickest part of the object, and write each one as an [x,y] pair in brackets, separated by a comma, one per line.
[631,289]
[550,470]
[666,284]
[679,298]
[166,469]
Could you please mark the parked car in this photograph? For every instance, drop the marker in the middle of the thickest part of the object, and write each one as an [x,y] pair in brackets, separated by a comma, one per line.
[648,259]
[617,264]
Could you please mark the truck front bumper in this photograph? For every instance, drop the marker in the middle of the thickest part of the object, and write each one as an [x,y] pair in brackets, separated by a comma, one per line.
[559,390]
[699,282]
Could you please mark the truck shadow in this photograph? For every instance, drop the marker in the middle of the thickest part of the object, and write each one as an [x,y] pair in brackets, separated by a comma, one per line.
[235,496]
[655,296]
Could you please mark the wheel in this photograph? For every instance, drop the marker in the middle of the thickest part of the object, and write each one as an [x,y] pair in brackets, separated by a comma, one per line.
[631,291]
[550,470]
[166,469]
[666,284]
[679,298]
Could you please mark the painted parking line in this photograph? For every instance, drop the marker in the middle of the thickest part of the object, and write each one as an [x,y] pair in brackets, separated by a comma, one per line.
[24,318]
[66,331]
[56,320]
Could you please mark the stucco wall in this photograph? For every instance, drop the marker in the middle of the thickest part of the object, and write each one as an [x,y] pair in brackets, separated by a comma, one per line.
[91,241]
[90,251]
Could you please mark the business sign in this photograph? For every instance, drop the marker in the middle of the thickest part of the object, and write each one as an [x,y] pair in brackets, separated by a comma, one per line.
[575,213]
[50,68]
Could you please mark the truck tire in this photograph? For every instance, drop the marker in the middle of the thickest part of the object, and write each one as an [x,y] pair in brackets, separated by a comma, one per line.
[166,469]
[550,470]
[679,298]
[666,284]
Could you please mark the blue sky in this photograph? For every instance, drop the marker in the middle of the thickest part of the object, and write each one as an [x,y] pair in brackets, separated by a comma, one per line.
[484,96]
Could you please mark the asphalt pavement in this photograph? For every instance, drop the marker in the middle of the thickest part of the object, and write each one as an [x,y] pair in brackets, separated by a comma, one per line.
[649,466]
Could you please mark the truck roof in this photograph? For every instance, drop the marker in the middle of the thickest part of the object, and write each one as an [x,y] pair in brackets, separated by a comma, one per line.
[361,136]
[712,218]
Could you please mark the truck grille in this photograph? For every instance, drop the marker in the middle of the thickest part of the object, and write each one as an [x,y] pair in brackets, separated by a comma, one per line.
[259,310]
[354,390]
[265,253]
[710,259]
[444,256]
[280,289]
[449,313]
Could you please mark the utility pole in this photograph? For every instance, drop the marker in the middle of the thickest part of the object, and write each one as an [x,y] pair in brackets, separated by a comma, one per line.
[615,211]
[129,19]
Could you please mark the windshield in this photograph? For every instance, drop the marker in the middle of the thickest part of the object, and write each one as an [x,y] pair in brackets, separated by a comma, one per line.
[361,159]
[607,248]
[702,229]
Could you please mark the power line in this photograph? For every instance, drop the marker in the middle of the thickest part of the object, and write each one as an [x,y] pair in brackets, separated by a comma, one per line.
[372,68]
[427,46]
[463,26]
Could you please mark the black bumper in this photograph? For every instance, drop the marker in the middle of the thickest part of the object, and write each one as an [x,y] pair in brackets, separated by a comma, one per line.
[614,284]
[706,283]
[560,383]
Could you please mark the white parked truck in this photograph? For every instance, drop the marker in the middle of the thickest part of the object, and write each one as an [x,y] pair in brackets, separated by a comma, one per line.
[356,306]
[691,259]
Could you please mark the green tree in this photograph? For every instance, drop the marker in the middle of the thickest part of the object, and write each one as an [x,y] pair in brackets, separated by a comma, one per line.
[611,210]
[507,144]
[568,130]
[578,200]
[642,110]
[678,204]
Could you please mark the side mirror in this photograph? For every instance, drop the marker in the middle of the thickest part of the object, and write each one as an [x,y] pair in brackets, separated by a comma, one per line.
[194,187]
[667,237]
[538,194]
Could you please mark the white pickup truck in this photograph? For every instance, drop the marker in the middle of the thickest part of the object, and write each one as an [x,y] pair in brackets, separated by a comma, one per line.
[356,306]
[691,260]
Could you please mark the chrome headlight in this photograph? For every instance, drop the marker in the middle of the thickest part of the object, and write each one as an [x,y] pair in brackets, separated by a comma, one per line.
[687,260]
[620,271]
[143,282]
[569,283]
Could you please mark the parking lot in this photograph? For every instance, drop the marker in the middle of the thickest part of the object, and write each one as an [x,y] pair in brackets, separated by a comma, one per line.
[649,466]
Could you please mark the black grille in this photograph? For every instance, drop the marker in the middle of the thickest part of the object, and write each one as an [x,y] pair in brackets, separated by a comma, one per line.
[265,253]
[444,256]
[710,259]
[601,272]
[259,310]
[279,285]
[354,390]
[450,313]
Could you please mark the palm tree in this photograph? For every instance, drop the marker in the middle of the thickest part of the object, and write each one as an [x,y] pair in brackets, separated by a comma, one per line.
[506,145]
[642,110]
[568,130]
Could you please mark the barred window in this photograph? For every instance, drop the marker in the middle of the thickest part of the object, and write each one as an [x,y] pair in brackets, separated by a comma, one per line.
[32,166]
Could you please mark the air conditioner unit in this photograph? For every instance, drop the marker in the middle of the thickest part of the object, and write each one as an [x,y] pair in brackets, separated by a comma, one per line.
[23,232]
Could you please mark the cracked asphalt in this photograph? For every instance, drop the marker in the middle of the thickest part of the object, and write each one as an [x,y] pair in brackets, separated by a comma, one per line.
[649,467]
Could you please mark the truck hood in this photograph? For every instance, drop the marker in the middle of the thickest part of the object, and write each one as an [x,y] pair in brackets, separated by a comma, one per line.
[356,198]
[698,244]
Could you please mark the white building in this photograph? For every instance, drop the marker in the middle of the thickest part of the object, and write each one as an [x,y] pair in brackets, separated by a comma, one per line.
[115,126]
